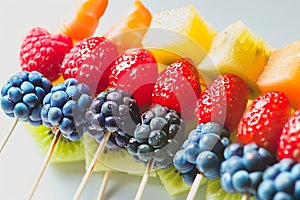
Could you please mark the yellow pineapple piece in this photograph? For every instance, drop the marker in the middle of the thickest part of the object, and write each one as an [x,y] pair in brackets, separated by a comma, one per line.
[179,32]
[238,51]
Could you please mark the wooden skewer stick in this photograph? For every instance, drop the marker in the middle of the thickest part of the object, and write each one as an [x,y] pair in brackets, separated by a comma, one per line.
[9,134]
[57,134]
[103,185]
[195,187]
[245,196]
[92,165]
[144,181]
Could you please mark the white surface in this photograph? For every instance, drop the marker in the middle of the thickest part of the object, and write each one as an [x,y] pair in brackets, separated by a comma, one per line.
[276,21]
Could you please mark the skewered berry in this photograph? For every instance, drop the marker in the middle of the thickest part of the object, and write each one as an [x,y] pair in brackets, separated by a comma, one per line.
[114,111]
[23,94]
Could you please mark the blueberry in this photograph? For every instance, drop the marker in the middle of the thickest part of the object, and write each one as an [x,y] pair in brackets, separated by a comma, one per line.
[208,163]
[48,124]
[84,102]
[286,164]
[256,179]
[66,126]
[271,172]
[109,108]
[5,88]
[142,133]
[47,99]
[157,138]
[55,116]
[268,158]
[144,152]
[58,87]
[211,127]
[252,161]
[250,147]
[58,99]
[69,109]
[35,78]
[185,144]
[73,92]
[46,85]
[7,105]
[40,93]
[70,82]
[31,100]
[195,136]
[35,123]
[76,135]
[297,190]
[15,80]
[23,75]
[266,190]
[211,142]
[180,163]
[83,88]
[27,87]
[158,123]
[189,177]
[44,112]
[241,181]
[284,182]
[233,149]
[234,164]
[282,196]
[36,113]
[226,183]
[21,111]
[295,172]
[15,94]
[192,150]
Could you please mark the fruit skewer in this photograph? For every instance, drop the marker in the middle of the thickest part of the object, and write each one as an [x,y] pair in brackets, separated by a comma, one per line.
[22,98]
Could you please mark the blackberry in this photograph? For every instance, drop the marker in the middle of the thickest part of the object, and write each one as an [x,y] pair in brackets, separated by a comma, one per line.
[158,137]
[23,94]
[65,106]
[115,111]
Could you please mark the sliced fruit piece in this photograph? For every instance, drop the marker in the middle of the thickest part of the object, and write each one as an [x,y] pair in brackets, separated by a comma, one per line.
[238,51]
[179,32]
[65,150]
[282,73]
[111,159]
[129,30]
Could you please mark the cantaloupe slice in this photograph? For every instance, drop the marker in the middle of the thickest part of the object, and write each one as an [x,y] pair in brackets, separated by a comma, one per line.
[179,32]
[282,73]
[238,51]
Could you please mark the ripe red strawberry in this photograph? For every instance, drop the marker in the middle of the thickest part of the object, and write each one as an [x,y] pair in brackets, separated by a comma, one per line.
[289,142]
[223,101]
[178,87]
[90,61]
[263,121]
[43,52]
[136,72]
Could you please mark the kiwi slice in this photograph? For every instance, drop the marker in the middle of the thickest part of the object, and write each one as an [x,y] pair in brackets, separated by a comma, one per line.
[214,191]
[112,159]
[65,150]
[172,181]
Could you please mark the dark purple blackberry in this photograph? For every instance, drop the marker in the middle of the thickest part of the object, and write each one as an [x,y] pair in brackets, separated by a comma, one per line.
[114,111]
[158,137]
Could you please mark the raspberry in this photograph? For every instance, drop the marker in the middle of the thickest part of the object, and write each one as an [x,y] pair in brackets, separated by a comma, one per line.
[43,52]
[23,94]
[157,137]
[89,61]
[114,111]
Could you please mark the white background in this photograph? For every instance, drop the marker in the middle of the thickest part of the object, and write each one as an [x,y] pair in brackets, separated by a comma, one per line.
[276,21]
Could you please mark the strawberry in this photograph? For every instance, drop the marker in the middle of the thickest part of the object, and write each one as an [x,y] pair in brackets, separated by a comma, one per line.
[178,87]
[136,72]
[90,61]
[289,142]
[223,101]
[262,122]
[43,52]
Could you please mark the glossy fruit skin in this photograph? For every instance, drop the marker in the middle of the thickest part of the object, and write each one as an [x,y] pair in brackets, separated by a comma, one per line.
[178,87]
[289,142]
[43,52]
[162,129]
[66,111]
[90,61]
[223,101]
[136,72]
[23,94]
[262,122]
[281,181]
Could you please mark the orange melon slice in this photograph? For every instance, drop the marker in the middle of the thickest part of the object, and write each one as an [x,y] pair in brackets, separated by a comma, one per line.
[282,73]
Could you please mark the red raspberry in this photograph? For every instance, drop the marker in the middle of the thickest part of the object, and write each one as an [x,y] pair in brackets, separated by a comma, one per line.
[89,61]
[289,142]
[43,52]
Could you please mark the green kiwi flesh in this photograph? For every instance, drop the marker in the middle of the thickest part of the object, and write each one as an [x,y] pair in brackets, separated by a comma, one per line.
[65,150]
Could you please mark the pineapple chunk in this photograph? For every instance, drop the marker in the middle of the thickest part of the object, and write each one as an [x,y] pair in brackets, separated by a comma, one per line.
[179,32]
[238,51]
